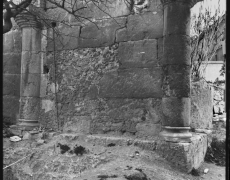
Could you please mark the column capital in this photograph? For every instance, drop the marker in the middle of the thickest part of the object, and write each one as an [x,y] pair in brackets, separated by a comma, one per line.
[33,17]
[190,3]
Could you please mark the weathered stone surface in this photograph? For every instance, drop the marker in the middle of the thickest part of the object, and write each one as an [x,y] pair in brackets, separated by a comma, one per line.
[11,84]
[176,50]
[176,111]
[185,156]
[31,62]
[103,10]
[177,19]
[78,124]
[11,63]
[131,83]
[12,41]
[176,81]
[43,85]
[10,108]
[79,69]
[29,108]
[127,115]
[30,85]
[138,54]
[100,34]
[201,105]
[142,26]
[65,38]
[160,49]
[151,130]
[30,39]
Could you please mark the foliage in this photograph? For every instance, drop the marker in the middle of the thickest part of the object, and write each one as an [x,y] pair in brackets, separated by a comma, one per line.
[204,43]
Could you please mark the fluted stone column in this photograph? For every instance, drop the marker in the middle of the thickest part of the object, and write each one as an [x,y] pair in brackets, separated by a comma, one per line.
[30,70]
[176,68]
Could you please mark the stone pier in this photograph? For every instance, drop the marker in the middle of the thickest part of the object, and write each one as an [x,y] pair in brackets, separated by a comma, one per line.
[30,70]
[176,67]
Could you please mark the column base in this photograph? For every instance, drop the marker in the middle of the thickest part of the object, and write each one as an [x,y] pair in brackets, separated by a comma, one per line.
[176,134]
[28,124]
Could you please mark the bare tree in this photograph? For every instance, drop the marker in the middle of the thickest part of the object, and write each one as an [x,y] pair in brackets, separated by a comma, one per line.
[204,43]
[76,8]
[11,10]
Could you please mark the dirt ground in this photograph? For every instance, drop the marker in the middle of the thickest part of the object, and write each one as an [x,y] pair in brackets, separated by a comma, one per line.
[101,163]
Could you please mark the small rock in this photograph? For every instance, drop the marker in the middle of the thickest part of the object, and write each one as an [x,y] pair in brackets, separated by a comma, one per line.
[206,170]
[41,141]
[26,136]
[15,138]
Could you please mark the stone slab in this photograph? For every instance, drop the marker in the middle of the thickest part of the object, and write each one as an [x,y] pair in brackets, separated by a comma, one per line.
[12,41]
[11,84]
[106,9]
[132,83]
[101,33]
[65,38]
[139,54]
[142,26]
[185,156]
[12,63]
[201,105]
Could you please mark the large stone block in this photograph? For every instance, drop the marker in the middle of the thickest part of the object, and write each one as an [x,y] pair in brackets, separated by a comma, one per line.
[147,129]
[177,19]
[10,109]
[11,84]
[177,50]
[104,9]
[141,117]
[201,105]
[29,108]
[31,39]
[65,38]
[31,62]
[185,156]
[142,26]
[30,85]
[176,81]
[101,33]
[12,41]
[12,63]
[138,54]
[131,83]
[176,111]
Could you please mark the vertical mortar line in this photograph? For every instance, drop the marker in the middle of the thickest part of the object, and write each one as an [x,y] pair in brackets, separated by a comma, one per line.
[55,81]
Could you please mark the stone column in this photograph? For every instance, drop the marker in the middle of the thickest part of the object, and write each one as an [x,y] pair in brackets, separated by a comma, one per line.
[30,70]
[176,68]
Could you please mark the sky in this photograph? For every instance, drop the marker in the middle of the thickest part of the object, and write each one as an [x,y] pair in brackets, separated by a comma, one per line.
[211,4]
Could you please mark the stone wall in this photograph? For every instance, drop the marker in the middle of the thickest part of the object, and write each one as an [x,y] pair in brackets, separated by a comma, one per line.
[201,105]
[11,75]
[108,73]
